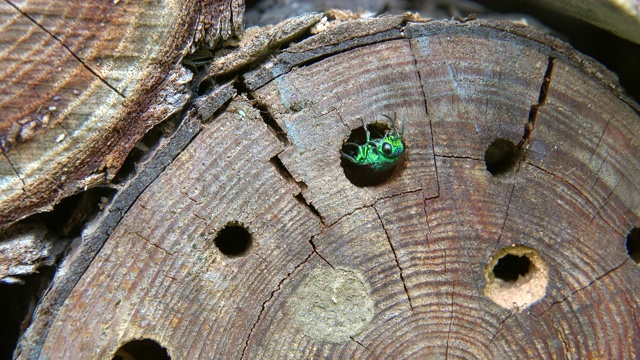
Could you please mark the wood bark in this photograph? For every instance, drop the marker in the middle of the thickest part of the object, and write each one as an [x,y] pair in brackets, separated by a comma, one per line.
[402,269]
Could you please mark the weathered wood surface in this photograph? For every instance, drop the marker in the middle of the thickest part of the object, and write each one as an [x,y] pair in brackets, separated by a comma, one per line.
[81,84]
[398,270]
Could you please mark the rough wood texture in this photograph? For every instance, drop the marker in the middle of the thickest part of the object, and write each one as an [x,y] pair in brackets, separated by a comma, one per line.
[28,249]
[81,84]
[396,270]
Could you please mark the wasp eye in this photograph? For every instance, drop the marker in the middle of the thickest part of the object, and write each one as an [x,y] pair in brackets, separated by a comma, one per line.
[387,148]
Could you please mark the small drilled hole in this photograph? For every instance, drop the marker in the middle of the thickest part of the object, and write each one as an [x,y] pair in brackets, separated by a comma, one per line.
[501,156]
[510,267]
[516,277]
[633,244]
[366,175]
[233,240]
[145,349]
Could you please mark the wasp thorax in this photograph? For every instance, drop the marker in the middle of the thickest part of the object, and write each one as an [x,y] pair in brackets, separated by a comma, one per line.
[371,153]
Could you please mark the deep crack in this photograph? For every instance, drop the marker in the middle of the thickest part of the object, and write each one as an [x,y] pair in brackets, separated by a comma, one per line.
[265,114]
[533,112]
[315,250]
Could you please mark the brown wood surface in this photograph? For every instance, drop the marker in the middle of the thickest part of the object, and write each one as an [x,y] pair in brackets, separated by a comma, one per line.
[81,82]
[396,270]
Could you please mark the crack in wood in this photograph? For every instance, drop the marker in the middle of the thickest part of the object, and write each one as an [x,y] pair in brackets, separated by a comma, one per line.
[460,157]
[271,296]
[529,128]
[152,243]
[565,344]
[406,192]
[267,118]
[500,327]
[287,176]
[302,200]
[315,249]
[426,109]
[189,197]
[506,216]
[453,289]
[359,343]
[67,48]
[282,169]
[597,214]
[579,192]
[170,277]
[599,141]
[198,216]
[395,256]
[533,111]
[15,171]
[568,297]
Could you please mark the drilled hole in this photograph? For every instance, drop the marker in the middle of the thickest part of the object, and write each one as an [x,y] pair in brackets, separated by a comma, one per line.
[516,277]
[501,156]
[233,240]
[510,267]
[362,175]
[633,244]
[145,349]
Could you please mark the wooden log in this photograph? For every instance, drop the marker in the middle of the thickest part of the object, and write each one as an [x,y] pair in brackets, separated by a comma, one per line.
[501,233]
[83,82]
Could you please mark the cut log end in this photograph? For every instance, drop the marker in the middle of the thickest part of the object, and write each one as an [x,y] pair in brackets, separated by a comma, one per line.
[504,233]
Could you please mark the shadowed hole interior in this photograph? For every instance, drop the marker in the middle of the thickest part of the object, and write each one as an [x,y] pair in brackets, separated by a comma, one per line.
[145,349]
[510,267]
[362,175]
[205,86]
[17,301]
[501,156]
[233,240]
[633,244]
[516,277]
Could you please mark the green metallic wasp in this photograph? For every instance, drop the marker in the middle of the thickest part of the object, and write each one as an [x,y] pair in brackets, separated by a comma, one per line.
[379,154]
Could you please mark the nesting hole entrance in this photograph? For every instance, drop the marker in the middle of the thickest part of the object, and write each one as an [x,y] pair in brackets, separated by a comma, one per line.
[233,240]
[145,349]
[511,267]
[516,277]
[363,175]
[501,156]
[633,244]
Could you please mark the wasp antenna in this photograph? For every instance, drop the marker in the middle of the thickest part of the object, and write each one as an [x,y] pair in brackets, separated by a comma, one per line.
[366,130]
